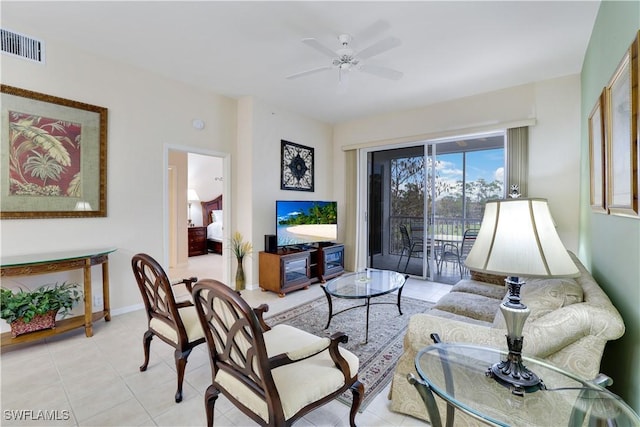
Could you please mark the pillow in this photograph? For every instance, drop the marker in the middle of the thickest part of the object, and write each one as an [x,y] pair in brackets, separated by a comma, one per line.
[564,290]
[543,296]
[216,216]
[478,307]
[494,279]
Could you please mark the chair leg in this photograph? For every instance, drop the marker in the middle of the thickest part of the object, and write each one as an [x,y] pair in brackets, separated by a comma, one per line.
[408,259]
[210,397]
[146,345]
[357,390]
[400,259]
[181,363]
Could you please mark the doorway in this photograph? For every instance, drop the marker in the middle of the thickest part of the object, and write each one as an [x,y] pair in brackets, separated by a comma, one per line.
[192,177]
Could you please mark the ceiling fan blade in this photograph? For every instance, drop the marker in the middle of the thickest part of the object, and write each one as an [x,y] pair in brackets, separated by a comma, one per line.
[379,47]
[383,72]
[319,47]
[306,73]
[373,30]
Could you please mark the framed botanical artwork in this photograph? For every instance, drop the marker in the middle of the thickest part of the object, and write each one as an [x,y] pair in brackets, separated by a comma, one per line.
[54,156]
[635,99]
[297,167]
[597,157]
[622,135]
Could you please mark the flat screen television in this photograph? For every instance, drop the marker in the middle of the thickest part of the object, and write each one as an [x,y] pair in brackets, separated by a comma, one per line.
[302,222]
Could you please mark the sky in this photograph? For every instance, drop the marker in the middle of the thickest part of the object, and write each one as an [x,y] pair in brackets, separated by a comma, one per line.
[486,164]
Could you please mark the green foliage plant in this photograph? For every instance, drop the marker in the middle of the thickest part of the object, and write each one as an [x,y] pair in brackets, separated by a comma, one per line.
[26,304]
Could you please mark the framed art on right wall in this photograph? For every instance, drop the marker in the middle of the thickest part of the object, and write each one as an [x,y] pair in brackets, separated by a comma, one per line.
[621,133]
[597,157]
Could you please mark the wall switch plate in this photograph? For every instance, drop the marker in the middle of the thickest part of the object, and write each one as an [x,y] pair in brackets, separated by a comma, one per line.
[97,301]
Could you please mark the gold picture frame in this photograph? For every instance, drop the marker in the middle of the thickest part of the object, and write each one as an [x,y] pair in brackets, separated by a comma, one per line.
[597,156]
[621,132]
[54,156]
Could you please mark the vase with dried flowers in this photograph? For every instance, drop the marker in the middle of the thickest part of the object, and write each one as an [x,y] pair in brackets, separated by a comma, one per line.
[240,249]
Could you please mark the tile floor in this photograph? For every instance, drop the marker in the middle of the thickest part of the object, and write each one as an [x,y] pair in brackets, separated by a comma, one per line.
[71,380]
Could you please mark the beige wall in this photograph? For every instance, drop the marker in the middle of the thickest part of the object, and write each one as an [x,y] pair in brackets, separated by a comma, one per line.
[261,128]
[178,161]
[553,108]
[146,113]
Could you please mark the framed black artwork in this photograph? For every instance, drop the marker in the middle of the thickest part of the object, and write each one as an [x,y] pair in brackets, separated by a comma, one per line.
[296,167]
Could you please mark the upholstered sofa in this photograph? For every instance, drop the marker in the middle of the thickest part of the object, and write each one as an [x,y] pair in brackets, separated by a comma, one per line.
[571,320]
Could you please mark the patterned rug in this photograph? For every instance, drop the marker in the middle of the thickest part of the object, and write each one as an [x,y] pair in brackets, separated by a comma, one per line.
[379,356]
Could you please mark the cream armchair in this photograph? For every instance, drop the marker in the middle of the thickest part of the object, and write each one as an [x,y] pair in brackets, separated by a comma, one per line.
[273,375]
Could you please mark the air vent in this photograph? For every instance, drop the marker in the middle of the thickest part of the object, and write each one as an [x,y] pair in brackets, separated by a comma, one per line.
[26,47]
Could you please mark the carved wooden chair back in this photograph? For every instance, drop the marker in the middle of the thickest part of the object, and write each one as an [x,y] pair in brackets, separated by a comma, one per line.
[243,370]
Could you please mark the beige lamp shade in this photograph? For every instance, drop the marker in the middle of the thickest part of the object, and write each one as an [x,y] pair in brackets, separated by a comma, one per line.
[518,238]
[192,196]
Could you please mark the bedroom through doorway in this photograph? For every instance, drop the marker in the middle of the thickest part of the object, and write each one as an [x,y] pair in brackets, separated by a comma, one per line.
[195,215]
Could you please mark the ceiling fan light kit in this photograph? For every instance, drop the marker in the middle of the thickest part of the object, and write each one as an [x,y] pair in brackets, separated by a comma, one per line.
[345,59]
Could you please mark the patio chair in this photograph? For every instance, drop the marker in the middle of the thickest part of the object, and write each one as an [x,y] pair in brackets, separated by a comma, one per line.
[409,245]
[451,252]
[273,375]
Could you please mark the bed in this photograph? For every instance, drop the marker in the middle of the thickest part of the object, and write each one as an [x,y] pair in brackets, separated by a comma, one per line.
[212,219]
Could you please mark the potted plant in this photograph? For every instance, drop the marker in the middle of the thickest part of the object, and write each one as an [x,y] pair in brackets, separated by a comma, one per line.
[33,310]
[240,249]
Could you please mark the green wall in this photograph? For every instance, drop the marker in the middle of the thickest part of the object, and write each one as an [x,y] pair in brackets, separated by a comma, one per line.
[611,244]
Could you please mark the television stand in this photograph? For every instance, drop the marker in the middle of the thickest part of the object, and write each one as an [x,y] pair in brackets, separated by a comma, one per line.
[293,268]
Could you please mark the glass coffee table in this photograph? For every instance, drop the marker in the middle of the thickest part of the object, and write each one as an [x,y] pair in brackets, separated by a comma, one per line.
[365,285]
[457,374]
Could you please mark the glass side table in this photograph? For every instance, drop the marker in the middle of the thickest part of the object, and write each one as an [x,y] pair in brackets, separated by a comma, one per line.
[457,374]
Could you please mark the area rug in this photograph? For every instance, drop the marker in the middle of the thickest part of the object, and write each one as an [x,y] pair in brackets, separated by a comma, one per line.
[379,356]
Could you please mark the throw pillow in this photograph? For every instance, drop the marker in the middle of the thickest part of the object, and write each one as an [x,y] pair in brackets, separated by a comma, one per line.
[488,278]
[543,296]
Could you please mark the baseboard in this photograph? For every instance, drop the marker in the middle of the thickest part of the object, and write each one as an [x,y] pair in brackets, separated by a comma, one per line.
[128,309]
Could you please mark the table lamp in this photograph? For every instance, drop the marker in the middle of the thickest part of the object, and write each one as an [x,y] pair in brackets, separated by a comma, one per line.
[192,196]
[517,237]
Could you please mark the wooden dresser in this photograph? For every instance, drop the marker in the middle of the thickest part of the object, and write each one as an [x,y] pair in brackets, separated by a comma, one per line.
[197,241]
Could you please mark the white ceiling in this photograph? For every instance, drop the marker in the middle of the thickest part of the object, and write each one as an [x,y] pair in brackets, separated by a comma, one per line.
[449,50]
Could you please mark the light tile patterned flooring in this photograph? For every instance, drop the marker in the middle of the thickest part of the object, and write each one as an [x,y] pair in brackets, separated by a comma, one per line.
[71,380]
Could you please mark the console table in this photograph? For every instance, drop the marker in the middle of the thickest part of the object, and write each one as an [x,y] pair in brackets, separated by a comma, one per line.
[44,263]
[457,374]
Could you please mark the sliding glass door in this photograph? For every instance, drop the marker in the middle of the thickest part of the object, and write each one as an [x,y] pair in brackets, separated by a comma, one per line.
[422,198]
[398,197]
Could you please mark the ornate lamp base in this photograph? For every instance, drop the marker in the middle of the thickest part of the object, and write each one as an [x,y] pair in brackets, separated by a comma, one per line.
[511,372]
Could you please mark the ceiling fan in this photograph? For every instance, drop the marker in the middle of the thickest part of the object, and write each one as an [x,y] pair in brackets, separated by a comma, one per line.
[345,58]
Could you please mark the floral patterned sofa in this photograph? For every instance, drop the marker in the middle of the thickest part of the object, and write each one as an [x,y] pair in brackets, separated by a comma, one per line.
[571,320]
